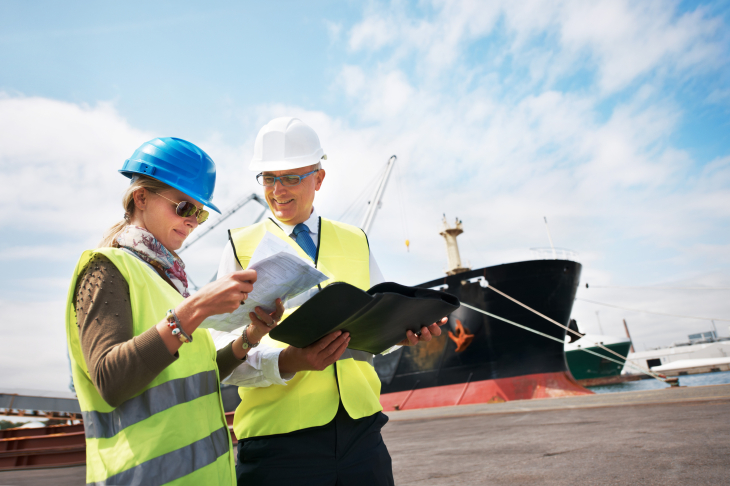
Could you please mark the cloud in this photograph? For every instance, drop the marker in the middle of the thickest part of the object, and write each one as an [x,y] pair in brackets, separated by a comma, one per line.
[629,39]
[334,30]
[499,113]
[373,33]
[384,95]
[59,163]
[39,252]
[497,140]
[33,348]
[623,40]
[719,96]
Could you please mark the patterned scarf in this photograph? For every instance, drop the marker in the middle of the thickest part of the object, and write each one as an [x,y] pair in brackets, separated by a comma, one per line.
[146,247]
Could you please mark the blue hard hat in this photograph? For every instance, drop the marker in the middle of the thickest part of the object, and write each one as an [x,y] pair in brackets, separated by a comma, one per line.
[177,163]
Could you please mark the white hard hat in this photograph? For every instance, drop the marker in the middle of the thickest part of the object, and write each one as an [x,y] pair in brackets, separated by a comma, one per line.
[286,143]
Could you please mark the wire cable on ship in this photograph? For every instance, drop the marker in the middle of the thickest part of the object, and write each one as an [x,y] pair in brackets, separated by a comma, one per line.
[623,358]
[575,333]
[654,312]
[534,331]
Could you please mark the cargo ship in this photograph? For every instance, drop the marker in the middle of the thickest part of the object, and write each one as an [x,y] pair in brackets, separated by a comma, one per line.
[478,359]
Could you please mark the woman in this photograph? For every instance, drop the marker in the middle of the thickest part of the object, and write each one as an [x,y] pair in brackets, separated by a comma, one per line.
[148,383]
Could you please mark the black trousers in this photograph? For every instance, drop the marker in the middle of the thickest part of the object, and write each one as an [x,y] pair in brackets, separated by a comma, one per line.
[345,452]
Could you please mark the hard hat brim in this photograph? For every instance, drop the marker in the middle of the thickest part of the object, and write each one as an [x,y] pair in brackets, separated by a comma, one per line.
[288,164]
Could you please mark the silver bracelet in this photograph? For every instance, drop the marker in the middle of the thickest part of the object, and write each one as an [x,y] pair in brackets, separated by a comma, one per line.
[246,344]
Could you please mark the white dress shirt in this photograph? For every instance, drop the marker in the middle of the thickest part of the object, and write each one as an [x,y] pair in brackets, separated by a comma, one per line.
[261,368]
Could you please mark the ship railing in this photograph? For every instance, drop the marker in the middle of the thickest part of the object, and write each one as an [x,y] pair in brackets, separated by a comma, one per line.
[554,254]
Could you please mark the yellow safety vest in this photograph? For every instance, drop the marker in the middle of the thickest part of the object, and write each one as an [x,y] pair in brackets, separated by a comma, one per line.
[311,398]
[174,432]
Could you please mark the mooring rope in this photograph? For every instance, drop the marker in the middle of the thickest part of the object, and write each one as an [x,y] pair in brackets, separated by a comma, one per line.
[644,370]
[654,312]
[625,361]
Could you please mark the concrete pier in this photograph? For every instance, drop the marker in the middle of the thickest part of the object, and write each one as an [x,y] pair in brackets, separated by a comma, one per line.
[673,436]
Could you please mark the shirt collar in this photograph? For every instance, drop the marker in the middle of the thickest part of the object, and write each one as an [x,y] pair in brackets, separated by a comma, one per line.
[312,223]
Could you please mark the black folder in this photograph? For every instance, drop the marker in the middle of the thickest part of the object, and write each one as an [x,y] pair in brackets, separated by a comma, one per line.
[376,319]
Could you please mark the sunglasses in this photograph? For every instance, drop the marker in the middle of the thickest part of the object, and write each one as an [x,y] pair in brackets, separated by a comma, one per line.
[185,209]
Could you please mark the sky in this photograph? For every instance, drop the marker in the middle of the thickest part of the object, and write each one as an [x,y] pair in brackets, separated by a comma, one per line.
[609,118]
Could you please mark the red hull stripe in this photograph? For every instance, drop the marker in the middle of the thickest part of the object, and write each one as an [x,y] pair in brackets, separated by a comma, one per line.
[526,387]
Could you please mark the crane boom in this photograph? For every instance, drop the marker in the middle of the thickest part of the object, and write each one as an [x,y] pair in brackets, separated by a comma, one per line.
[374,203]
[226,215]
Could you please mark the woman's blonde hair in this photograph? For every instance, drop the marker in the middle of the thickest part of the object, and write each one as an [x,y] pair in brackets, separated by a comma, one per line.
[138,182]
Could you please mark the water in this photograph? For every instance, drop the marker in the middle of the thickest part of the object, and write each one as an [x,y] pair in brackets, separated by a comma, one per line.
[717,378]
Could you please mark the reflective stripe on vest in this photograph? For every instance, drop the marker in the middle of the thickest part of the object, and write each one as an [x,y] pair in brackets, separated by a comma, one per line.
[311,398]
[174,465]
[100,425]
[178,414]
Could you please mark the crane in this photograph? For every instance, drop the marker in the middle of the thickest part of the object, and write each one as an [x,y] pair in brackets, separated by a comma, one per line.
[375,203]
[241,203]
[238,205]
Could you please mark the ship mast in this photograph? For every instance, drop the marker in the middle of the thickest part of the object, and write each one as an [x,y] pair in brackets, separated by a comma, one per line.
[452,247]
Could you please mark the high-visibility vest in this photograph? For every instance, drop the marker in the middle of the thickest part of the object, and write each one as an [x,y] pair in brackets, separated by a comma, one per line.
[172,432]
[311,398]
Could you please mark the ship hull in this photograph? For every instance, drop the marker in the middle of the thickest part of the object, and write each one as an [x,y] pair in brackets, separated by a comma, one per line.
[476,354]
[587,366]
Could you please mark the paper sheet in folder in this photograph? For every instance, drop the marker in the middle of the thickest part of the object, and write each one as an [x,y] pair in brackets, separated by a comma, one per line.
[376,319]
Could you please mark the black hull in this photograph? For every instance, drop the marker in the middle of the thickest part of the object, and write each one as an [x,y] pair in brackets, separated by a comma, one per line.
[498,349]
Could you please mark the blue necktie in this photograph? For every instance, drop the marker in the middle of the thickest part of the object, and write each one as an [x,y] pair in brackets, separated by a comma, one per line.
[301,234]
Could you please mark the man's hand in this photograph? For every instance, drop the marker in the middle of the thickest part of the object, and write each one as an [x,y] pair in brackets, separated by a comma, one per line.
[262,322]
[426,333]
[314,357]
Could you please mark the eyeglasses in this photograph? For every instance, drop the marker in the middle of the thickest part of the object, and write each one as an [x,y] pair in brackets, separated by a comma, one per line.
[286,180]
[185,209]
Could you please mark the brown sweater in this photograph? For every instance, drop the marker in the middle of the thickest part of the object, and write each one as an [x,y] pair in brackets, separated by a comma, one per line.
[121,364]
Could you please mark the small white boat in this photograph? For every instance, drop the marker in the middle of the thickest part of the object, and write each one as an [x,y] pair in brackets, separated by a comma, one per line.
[693,366]
[696,356]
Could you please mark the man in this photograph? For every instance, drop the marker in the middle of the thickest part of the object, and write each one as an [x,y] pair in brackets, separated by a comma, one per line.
[311,415]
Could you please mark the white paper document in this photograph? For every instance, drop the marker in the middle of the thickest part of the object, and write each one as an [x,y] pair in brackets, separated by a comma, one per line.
[281,273]
[271,245]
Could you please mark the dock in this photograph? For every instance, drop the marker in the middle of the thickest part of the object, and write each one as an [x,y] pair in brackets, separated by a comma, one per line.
[672,436]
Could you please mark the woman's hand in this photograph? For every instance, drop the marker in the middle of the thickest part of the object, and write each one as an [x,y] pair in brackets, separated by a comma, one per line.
[218,297]
[221,296]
